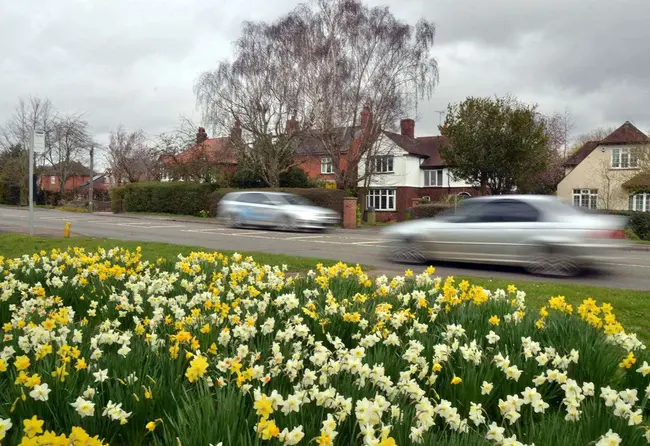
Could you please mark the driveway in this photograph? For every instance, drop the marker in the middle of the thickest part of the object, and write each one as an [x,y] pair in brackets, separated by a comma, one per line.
[351,246]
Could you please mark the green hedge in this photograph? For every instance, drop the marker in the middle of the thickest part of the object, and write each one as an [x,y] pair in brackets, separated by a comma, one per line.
[638,223]
[429,210]
[169,198]
[326,198]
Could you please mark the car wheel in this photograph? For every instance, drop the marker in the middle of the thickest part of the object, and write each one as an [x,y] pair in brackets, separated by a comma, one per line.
[408,252]
[287,224]
[552,261]
[235,221]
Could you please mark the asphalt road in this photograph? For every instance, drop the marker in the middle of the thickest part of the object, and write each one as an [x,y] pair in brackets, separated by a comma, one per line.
[352,246]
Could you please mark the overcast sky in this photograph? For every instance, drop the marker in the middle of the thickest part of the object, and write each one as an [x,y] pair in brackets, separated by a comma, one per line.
[134,62]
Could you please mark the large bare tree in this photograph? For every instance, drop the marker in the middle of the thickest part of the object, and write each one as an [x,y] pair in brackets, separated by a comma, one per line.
[68,141]
[130,157]
[15,136]
[318,68]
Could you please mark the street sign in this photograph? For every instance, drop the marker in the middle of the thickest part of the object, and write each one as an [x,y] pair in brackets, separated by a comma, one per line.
[39,142]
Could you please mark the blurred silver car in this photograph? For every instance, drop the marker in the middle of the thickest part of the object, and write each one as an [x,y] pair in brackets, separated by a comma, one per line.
[276,209]
[541,233]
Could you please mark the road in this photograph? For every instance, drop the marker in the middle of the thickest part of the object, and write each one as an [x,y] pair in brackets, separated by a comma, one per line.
[351,246]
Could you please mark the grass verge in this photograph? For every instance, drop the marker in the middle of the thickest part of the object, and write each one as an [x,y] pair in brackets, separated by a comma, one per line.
[631,306]
[15,245]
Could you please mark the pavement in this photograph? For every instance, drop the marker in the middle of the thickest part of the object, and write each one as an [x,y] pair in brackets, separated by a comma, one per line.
[361,246]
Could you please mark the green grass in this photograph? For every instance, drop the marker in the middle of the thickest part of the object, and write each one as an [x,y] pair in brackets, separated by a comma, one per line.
[630,307]
[15,245]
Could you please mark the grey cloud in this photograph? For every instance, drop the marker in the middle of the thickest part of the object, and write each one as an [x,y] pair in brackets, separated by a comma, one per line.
[134,62]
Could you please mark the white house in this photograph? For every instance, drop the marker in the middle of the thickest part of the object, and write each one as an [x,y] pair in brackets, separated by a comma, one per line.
[408,170]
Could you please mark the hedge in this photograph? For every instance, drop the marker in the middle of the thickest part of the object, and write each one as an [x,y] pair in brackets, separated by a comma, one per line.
[326,198]
[429,210]
[169,198]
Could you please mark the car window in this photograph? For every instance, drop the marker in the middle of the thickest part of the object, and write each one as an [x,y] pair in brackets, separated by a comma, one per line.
[253,198]
[506,211]
[296,200]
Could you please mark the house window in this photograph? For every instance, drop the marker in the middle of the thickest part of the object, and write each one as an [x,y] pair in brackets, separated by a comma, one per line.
[433,178]
[166,177]
[326,166]
[640,202]
[586,198]
[52,179]
[624,158]
[381,199]
[382,164]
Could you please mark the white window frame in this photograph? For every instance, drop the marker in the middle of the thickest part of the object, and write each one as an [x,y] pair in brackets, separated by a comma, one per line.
[586,198]
[383,164]
[52,179]
[624,158]
[438,178]
[640,202]
[326,165]
[374,199]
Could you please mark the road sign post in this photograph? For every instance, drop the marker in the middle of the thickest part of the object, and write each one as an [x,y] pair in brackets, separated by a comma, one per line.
[37,146]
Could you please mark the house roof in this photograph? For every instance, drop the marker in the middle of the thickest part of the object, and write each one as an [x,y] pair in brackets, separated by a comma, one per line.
[75,169]
[427,147]
[215,150]
[582,153]
[95,179]
[640,181]
[626,134]
[311,141]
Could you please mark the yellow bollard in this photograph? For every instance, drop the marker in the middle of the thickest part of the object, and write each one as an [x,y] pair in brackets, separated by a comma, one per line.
[66,229]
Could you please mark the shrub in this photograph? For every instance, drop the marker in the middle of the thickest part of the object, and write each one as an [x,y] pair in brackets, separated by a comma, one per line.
[169,198]
[117,200]
[11,194]
[429,210]
[296,178]
[244,178]
[326,198]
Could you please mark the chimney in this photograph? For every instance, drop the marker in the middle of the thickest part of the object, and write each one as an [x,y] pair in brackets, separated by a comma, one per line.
[366,119]
[408,128]
[235,132]
[201,136]
[291,125]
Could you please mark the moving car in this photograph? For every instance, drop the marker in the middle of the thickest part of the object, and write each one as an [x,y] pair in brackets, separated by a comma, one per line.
[541,233]
[275,209]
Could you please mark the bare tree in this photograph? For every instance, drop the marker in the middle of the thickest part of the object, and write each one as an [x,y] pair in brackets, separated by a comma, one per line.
[597,134]
[15,136]
[69,138]
[317,68]
[130,157]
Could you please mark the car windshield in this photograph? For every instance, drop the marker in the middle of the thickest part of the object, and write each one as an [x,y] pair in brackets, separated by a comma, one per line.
[461,211]
[296,200]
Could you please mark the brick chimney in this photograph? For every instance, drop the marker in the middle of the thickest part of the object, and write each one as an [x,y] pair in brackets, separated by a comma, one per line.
[201,136]
[408,128]
[366,119]
[235,132]
[291,125]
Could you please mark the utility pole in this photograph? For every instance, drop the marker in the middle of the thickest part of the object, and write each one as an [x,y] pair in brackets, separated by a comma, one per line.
[92,179]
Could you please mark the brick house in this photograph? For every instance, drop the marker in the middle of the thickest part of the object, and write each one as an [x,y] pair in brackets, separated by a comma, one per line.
[50,181]
[206,159]
[313,157]
[409,170]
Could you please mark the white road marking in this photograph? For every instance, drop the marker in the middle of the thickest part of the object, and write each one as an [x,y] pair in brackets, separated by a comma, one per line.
[161,226]
[626,264]
[304,237]
[204,230]
[367,243]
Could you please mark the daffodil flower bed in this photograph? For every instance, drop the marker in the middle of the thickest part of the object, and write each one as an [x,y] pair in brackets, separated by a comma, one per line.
[105,348]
